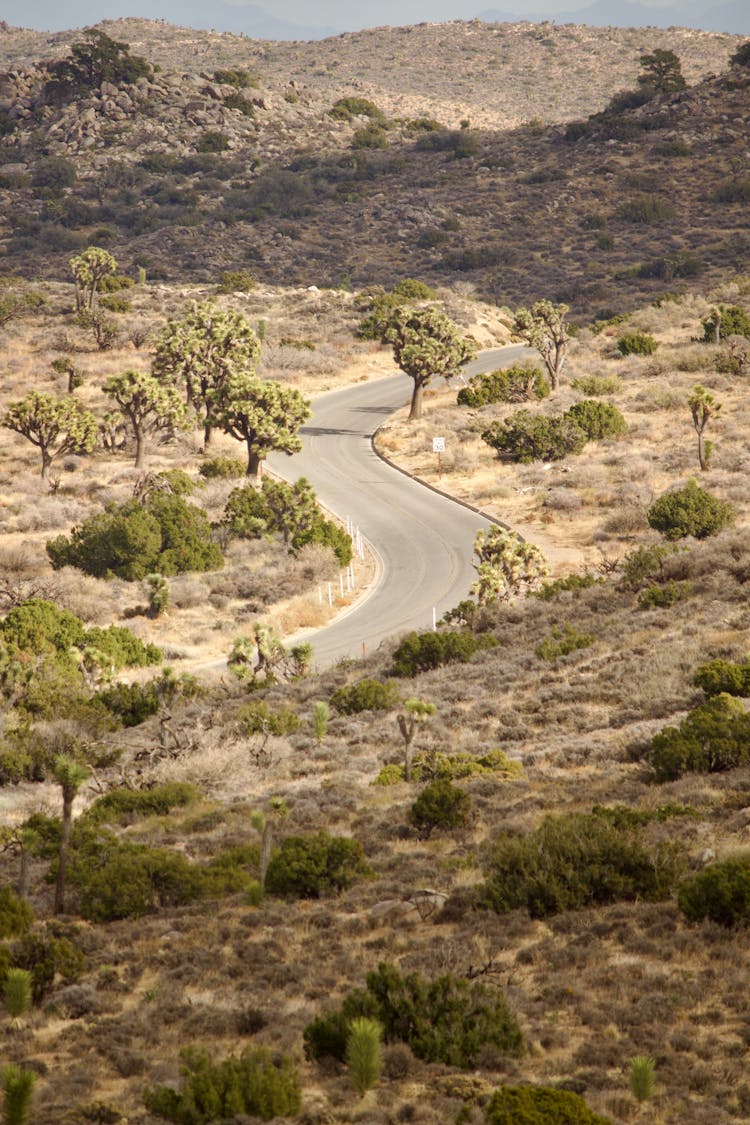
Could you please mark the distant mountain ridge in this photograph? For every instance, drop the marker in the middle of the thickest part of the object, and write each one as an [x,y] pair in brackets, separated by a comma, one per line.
[732,17]
[241,19]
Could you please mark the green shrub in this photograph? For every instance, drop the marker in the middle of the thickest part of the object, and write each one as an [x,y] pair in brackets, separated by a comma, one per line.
[717,677]
[238,78]
[447,1019]
[346,108]
[363,1053]
[213,140]
[596,385]
[440,805]
[46,957]
[597,419]
[37,626]
[258,718]
[314,866]
[431,764]
[526,437]
[16,916]
[645,209]
[223,468]
[411,289]
[371,136]
[573,861]
[662,597]
[713,738]
[421,652]
[734,322]
[254,1083]
[563,641]
[165,536]
[121,648]
[736,190]
[720,892]
[236,281]
[366,695]
[131,704]
[636,343]
[17,1086]
[123,806]
[571,583]
[643,565]
[690,511]
[512,384]
[539,1105]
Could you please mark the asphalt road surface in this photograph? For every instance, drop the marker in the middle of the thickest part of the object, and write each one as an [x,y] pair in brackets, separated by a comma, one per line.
[422,541]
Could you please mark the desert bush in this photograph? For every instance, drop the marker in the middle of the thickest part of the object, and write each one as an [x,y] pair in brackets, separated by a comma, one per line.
[736,190]
[717,677]
[720,892]
[690,510]
[431,764]
[16,916]
[420,652]
[636,343]
[131,704]
[714,737]
[643,565]
[254,1083]
[441,804]
[412,289]
[222,468]
[46,957]
[597,419]
[314,866]
[539,1105]
[447,1019]
[664,596]
[366,695]
[121,648]
[511,384]
[235,281]
[563,641]
[346,108]
[596,385]
[572,583]
[526,437]
[123,806]
[733,321]
[573,861]
[645,209]
[289,510]
[258,718]
[166,535]
[370,136]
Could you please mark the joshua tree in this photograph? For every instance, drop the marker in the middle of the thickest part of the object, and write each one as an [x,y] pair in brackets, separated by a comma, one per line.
[149,406]
[264,414]
[57,426]
[70,776]
[543,327]
[415,713]
[703,407]
[506,565]
[426,343]
[88,270]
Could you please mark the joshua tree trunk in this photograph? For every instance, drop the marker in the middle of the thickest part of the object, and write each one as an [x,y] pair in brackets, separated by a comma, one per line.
[415,411]
[254,465]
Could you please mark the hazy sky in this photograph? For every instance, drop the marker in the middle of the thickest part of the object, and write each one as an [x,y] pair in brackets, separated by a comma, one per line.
[339,14]
[343,15]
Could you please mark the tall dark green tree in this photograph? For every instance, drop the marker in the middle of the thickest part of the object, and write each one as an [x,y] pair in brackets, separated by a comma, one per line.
[661,74]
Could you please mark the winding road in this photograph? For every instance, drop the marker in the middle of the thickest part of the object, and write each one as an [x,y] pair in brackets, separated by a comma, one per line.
[422,540]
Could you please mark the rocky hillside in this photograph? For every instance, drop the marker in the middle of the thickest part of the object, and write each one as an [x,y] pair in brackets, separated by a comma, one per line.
[235,161]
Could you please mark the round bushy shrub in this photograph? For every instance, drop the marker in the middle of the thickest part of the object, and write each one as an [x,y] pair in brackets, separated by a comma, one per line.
[440,805]
[713,738]
[597,419]
[411,289]
[690,511]
[526,437]
[420,652]
[636,343]
[511,384]
[539,1105]
[222,468]
[313,866]
[722,676]
[131,540]
[720,892]
[366,695]
[574,861]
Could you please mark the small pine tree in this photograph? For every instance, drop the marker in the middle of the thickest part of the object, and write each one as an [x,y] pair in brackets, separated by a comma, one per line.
[321,715]
[642,1078]
[363,1053]
[17,993]
[18,1086]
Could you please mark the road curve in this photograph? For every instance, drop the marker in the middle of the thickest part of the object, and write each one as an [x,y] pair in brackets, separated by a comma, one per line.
[422,540]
